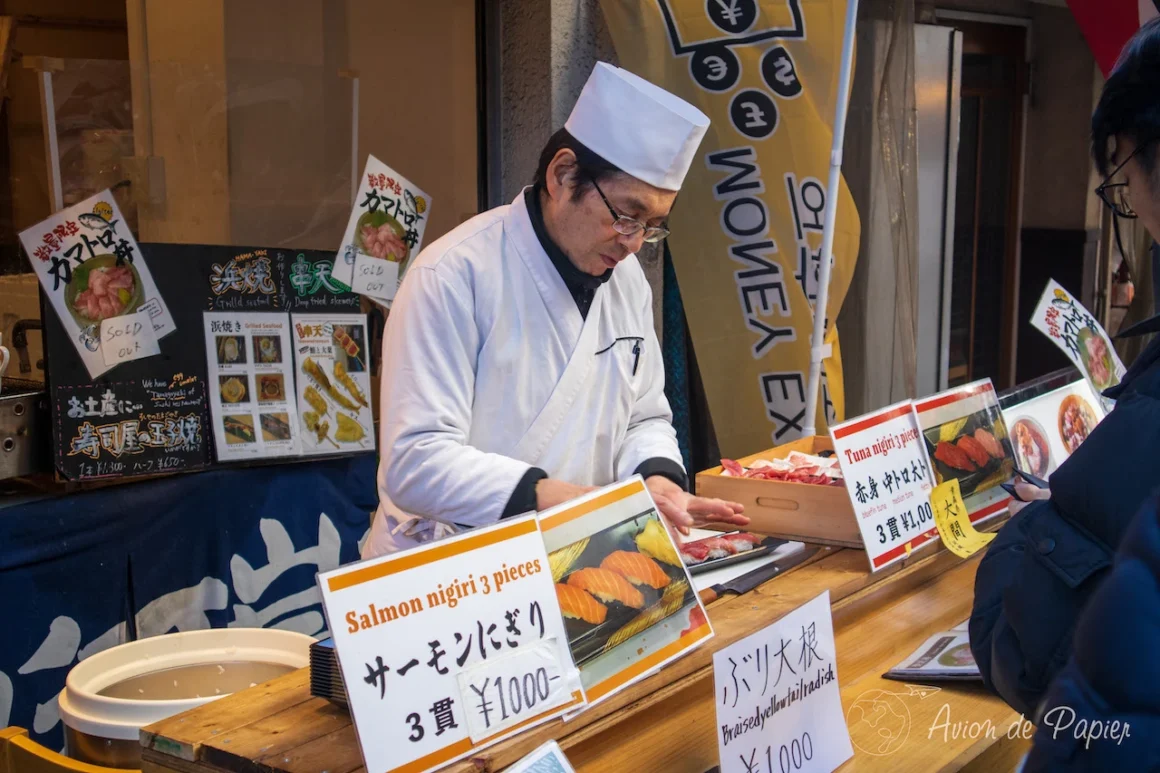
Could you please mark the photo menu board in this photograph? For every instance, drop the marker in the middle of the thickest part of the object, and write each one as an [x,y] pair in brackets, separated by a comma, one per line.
[152,415]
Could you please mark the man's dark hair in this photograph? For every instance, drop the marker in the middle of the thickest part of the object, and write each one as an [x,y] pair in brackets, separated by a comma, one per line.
[1129,105]
[589,165]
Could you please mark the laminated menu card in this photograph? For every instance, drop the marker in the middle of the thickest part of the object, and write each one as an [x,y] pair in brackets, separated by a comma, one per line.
[332,373]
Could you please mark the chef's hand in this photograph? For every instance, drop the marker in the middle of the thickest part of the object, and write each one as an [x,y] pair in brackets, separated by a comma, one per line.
[684,511]
[551,492]
[1028,493]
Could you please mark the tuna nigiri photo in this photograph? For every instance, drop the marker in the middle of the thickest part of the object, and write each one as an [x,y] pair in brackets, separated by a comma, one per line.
[636,568]
[607,586]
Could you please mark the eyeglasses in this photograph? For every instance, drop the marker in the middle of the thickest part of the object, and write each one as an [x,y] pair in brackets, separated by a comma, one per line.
[623,224]
[1115,195]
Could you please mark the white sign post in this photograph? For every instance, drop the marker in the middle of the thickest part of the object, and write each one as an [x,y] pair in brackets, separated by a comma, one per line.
[888,478]
[450,647]
[777,699]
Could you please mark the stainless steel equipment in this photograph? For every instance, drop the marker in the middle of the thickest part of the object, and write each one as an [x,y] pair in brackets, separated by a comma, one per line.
[25,429]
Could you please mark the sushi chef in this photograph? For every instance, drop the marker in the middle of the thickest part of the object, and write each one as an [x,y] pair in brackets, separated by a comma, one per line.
[520,364]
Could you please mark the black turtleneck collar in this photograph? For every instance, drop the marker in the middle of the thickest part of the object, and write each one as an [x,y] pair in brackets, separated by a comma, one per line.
[582,286]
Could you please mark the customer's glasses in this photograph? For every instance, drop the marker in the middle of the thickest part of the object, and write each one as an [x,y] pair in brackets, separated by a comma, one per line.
[1115,195]
[623,224]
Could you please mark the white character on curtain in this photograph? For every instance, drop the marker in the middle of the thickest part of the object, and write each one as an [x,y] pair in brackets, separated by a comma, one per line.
[251,583]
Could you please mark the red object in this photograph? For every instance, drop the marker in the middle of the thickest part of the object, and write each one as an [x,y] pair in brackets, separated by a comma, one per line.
[812,474]
[988,441]
[974,449]
[1108,24]
[953,456]
[696,620]
[733,467]
[694,552]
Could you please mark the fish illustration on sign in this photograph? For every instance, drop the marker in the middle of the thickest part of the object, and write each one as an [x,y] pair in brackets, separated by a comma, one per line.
[100,219]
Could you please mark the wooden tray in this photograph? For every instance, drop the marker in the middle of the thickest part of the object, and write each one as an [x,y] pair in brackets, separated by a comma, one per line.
[800,512]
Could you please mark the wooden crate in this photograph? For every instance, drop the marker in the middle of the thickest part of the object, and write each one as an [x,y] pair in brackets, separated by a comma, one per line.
[794,511]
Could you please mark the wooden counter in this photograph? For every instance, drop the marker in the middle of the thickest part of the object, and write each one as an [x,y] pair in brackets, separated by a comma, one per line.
[667,722]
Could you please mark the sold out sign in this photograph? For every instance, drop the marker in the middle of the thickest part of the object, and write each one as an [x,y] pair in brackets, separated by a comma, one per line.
[129,337]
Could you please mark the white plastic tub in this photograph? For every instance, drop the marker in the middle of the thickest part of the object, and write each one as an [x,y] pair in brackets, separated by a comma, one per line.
[104,730]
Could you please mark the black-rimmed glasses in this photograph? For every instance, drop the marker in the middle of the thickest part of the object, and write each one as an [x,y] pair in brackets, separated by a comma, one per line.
[1115,195]
[628,226]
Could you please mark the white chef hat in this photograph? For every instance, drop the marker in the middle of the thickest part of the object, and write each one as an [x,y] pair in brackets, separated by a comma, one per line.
[646,131]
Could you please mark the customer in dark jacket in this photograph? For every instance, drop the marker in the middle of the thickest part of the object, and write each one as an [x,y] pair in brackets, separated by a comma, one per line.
[1102,712]
[1050,558]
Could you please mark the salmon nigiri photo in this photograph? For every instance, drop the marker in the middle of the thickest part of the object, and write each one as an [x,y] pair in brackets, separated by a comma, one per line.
[606,586]
[579,605]
[636,568]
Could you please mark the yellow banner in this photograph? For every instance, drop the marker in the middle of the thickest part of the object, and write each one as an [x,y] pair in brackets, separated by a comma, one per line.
[747,228]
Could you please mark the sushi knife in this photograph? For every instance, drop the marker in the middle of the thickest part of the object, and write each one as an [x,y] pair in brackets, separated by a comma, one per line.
[751,580]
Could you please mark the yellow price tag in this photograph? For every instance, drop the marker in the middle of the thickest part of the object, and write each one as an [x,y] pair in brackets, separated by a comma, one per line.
[954,523]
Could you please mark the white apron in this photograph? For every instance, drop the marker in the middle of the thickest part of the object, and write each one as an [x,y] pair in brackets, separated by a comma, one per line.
[489,369]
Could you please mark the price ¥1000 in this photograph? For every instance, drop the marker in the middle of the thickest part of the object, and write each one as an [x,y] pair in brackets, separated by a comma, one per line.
[785,758]
[504,698]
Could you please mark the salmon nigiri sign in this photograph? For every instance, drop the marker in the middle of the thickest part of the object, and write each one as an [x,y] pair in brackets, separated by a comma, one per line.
[628,603]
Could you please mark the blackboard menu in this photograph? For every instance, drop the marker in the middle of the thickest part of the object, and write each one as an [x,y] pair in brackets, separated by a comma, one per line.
[151,416]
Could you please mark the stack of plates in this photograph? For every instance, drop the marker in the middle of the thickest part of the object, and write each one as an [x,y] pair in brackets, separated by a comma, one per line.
[325,677]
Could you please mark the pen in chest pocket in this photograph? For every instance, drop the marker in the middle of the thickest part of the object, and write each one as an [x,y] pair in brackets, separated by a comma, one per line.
[636,342]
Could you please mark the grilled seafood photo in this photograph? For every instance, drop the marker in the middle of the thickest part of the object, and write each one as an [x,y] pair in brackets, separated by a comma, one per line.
[233,389]
[231,350]
[238,429]
[267,349]
[275,426]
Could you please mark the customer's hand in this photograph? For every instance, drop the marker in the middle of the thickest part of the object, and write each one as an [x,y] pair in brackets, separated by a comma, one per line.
[684,511]
[1029,493]
[551,492]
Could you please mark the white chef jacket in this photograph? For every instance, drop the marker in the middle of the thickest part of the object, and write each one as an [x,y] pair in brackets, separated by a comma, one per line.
[489,369]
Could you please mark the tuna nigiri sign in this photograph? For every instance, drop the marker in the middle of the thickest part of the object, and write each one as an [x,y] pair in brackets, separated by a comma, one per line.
[450,647]
[889,479]
[628,602]
[92,270]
